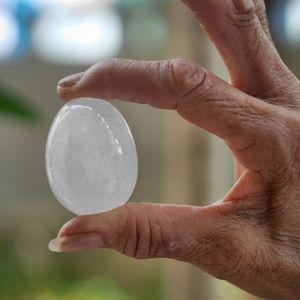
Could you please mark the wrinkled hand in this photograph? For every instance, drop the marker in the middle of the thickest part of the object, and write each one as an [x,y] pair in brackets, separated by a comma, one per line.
[252,236]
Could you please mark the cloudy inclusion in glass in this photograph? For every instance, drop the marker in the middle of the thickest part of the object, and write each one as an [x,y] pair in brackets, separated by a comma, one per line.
[91,158]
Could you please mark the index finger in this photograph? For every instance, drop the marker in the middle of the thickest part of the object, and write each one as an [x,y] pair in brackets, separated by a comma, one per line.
[202,98]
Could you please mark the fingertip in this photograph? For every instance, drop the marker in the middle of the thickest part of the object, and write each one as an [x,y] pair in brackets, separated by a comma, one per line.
[60,92]
[71,80]
[78,242]
[64,93]
[54,246]
[67,86]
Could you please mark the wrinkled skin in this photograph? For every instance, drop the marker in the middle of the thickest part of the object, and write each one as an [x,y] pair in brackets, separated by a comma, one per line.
[251,237]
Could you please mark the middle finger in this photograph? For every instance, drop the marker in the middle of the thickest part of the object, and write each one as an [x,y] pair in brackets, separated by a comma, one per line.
[238,29]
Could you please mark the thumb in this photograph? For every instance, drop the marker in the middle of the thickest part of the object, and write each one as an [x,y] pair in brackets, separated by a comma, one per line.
[186,233]
[136,230]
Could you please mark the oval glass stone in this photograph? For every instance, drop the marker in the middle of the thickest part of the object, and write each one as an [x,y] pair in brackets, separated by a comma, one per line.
[91,158]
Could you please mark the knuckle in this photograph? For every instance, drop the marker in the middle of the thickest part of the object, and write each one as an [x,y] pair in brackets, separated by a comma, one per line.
[244,13]
[260,9]
[186,76]
[128,239]
[139,238]
[141,248]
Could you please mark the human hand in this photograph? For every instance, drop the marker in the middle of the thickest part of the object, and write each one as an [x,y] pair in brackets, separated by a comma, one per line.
[251,237]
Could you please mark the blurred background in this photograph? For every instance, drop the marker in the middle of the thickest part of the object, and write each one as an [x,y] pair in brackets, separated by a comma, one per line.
[42,41]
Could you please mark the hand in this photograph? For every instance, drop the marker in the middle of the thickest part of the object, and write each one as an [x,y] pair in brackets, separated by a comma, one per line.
[252,236]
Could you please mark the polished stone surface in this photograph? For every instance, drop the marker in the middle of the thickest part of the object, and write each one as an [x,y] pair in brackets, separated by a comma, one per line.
[91,158]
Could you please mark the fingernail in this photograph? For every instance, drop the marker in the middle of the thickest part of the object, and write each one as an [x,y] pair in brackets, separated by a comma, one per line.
[70,80]
[74,243]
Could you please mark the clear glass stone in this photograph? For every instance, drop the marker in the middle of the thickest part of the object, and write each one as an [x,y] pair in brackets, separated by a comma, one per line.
[91,158]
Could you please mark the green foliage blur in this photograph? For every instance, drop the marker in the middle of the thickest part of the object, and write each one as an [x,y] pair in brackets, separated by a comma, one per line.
[13,105]
[62,283]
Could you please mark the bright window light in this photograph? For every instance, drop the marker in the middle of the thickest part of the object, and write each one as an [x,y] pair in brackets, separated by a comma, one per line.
[9,34]
[67,37]
[84,32]
[292,17]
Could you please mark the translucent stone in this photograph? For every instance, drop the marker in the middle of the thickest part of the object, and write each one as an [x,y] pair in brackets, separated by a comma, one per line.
[91,158]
